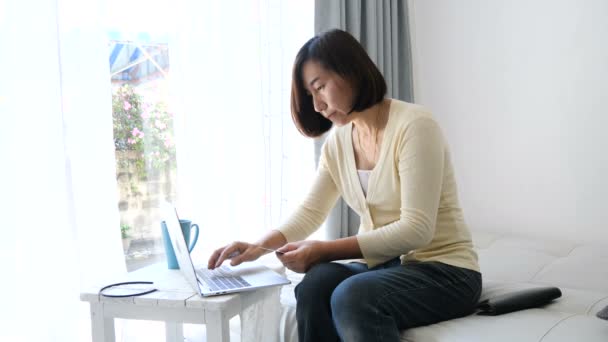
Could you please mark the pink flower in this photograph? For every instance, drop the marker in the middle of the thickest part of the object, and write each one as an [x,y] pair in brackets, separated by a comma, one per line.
[135,131]
[126,105]
[146,113]
[168,142]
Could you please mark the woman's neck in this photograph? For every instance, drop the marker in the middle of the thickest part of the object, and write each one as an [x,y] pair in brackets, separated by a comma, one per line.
[367,135]
[371,120]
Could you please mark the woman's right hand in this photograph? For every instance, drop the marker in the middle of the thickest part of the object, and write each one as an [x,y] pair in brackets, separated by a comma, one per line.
[238,252]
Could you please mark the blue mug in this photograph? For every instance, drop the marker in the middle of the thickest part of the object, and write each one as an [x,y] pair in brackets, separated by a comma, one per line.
[187,226]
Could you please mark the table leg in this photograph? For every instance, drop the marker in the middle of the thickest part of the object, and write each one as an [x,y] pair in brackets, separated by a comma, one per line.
[217,327]
[174,331]
[102,328]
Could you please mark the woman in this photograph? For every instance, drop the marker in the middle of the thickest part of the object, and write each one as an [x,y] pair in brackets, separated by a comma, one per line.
[414,262]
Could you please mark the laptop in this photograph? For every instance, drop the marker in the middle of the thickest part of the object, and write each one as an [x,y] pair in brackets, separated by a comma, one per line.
[247,276]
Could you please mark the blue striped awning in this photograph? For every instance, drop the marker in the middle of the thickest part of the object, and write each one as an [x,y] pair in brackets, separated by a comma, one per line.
[135,58]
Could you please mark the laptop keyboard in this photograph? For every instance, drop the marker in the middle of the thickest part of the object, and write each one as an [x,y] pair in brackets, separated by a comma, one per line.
[221,278]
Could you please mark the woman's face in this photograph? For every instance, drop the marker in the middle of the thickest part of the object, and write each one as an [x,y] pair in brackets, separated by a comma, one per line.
[332,96]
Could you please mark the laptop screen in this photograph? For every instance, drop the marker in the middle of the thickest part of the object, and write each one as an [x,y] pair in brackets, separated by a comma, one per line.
[179,245]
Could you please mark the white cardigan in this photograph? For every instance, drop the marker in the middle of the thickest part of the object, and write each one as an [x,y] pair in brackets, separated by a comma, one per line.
[411,209]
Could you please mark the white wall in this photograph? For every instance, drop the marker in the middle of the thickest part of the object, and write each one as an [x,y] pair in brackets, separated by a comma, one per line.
[521,90]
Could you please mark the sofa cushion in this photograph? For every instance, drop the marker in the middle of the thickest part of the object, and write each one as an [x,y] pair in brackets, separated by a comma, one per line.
[578,271]
[578,328]
[525,325]
[512,265]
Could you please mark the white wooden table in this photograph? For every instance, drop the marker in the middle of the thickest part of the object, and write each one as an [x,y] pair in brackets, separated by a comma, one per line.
[176,303]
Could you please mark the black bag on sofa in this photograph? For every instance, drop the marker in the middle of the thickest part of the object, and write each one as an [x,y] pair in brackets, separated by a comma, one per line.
[519,300]
[603,314]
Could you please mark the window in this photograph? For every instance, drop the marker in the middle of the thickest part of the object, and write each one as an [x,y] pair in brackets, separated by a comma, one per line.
[144,143]
[211,94]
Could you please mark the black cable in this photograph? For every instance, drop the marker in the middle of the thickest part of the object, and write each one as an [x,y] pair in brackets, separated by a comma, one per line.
[127,283]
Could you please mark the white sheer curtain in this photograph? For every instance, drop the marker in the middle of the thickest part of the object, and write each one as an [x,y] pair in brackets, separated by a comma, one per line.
[59,217]
[242,165]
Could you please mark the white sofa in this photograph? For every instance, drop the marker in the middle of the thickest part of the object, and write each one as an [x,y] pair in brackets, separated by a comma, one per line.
[510,263]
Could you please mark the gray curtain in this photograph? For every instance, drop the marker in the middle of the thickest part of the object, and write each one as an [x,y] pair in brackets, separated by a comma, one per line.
[381,26]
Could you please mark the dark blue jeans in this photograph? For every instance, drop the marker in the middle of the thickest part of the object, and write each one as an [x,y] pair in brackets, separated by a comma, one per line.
[350,302]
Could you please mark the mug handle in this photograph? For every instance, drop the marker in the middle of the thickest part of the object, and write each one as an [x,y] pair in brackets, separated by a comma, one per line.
[195,238]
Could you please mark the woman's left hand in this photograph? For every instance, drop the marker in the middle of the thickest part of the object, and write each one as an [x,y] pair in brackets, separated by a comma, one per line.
[302,255]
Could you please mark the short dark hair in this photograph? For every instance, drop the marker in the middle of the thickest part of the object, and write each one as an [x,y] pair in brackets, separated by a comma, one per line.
[336,51]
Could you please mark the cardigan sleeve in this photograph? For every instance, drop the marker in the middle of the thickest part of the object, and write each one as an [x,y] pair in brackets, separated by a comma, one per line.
[420,161]
[311,213]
